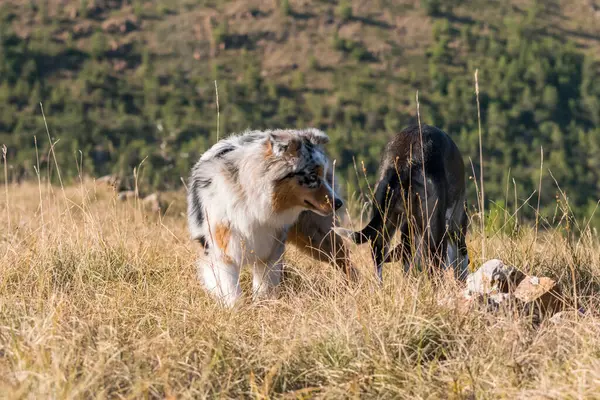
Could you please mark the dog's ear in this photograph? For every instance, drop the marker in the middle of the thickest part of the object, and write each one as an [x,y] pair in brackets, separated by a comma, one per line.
[282,142]
[315,136]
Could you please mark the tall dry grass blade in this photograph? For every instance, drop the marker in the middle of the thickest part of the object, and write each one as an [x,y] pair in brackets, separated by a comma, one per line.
[136,181]
[62,186]
[476,191]
[506,198]
[218,112]
[184,183]
[537,210]
[515,193]
[482,201]
[362,195]
[4,151]
[80,176]
[333,222]
[37,172]
[423,172]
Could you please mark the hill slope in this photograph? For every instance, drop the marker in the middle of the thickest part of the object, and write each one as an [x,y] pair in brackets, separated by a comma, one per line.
[127,81]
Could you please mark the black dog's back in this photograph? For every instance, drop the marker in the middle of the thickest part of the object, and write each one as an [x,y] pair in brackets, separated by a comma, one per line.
[427,146]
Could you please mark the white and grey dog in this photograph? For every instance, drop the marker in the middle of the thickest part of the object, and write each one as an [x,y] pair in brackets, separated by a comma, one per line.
[244,195]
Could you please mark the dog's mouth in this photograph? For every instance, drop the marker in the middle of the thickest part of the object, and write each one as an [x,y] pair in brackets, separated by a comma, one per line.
[314,208]
[309,205]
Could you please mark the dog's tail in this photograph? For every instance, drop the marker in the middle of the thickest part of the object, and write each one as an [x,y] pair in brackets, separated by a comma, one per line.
[387,194]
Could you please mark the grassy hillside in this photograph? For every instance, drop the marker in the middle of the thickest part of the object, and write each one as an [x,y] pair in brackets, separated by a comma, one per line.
[99,299]
[125,83]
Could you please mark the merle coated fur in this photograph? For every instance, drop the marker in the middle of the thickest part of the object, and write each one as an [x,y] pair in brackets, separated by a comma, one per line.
[247,192]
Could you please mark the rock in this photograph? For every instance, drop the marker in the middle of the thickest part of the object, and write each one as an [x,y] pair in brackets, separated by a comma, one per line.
[533,287]
[152,202]
[494,277]
[493,302]
[490,302]
[110,180]
[126,195]
[464,303]
[562,317]
[539,294]
[496,286]
[105,179]
[459,304]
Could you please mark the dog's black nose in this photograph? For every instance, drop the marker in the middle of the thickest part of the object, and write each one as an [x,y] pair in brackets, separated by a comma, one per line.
[338,204]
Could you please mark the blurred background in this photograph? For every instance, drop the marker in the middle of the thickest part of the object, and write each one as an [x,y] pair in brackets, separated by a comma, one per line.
[123,82]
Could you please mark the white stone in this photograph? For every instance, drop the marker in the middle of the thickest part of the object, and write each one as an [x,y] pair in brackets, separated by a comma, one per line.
[493,276]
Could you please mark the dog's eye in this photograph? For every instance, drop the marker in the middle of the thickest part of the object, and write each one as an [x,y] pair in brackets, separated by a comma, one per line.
[289,176]
[311,180]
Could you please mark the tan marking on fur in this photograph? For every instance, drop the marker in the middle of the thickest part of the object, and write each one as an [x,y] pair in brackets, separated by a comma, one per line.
[320,198]
[320,171]
[286,194]
[227,259]
[222,235]
[293,147]
[268,149]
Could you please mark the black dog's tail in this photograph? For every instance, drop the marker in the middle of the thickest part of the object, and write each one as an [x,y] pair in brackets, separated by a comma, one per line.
[387,194]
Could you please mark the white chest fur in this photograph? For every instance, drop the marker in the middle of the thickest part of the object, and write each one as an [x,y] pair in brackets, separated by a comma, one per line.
[261,245]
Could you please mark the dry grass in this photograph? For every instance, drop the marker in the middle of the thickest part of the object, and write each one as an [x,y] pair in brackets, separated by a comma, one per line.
[102,301]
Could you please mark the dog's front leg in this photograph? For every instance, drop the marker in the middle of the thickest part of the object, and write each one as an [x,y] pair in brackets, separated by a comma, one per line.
[221,278]
[267,275]
[266,278]
[380,249]
[458,257]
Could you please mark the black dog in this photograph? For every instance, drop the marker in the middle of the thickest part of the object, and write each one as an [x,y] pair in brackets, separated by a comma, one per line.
[421,190]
